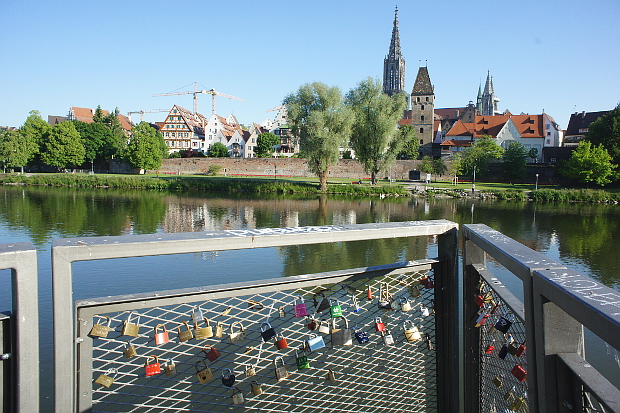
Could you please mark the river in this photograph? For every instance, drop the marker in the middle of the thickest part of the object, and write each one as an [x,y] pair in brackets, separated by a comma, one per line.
[582,236]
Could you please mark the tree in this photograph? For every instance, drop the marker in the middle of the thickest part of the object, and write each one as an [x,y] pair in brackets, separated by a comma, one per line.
[411,145]
[16,149]
[218,150]
[426,166]
[265,143]
[375,138]
[606,131]
[99,142]
[98,116]
[36,129]
[590,163]
[479,154]
[515,162]
[146,147]
[433,166]
[321,122]
[63,147]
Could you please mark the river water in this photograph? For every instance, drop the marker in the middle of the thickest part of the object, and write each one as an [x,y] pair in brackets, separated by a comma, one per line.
[584,237]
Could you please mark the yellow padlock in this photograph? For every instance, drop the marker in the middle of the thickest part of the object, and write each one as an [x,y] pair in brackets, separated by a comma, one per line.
[185,335]
[107,379]
[131,329]
[100,330]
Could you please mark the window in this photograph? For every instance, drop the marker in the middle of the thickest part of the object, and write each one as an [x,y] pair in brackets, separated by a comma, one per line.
[548,141]
[421,130]
[548,133]
[421,141]
[422,118]
[552,160]
[173,135]
[422,107]
[427,98]
[418,99]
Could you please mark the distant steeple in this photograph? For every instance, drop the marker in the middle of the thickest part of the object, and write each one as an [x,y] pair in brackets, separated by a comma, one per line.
[479,99]
[394,64]
[489,100]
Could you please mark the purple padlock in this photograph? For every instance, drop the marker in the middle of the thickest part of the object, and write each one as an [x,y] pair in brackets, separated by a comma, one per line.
[300,309]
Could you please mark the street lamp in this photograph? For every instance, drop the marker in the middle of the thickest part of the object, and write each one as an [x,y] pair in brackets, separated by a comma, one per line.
[537,182]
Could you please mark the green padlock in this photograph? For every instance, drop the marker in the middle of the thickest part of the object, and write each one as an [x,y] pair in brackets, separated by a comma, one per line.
[302,361]
[335,310]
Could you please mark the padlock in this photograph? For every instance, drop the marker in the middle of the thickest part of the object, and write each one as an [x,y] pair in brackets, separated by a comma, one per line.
[170,368]
[250,371]
[130,329]
[412,333]
[324,327]
[130,350]
[427,283]
[228,377]
[355,304]
[227,310]
[361,336]
[429,342]
[219,330]
[519,372]
[479,301]
[425,311]
[490,347]
[335,310]
[517,404]
[302,361]
[482,319]
[369,294]
[203,333]
[281,312]
[205,375]
[312,324]
[503,352]
[281,372]
[509,396]
[237,398]
[152,369]
[405,304]
[502,324]
[331,376]
[384,297]
[388,340]
[237,337]
[267,332]
[255,305]
[315,342]
[161,338]
[494,309]
[497,381]
[513,348]
[520,350]
[300,309]
[488,297]
[323,305]
[197,315]
[414,291]
[212,353]
[379,325]
[107,379]
[256,388]
[185,335]
[280,342]
[432,307]
[341,336]
[99,330]
[394,304]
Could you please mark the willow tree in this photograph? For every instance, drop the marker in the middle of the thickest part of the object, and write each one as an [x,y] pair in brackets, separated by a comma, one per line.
[375,138]
[322,123]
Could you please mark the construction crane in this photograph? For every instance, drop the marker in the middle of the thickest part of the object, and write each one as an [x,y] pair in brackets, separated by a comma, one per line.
[276,108]
[142,112]
[195,92]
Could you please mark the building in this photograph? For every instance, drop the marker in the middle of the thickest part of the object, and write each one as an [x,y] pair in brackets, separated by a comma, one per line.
[578,125]
[394,64]
[422,112]
[183,130]
[487,101]
[86,115]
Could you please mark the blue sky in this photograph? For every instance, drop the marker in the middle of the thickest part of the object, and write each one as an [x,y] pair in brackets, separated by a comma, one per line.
[558,56]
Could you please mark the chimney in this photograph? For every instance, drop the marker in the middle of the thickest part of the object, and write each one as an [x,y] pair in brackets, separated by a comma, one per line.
[456,114]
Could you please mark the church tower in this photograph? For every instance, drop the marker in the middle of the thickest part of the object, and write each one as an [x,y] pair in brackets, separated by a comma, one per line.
[394,64]
[423,110]
[489,100]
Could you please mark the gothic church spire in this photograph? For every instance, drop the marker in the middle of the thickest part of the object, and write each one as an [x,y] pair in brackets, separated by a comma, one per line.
[489,100]
[394,64]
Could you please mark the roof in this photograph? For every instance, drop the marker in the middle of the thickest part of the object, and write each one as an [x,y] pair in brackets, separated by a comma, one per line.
[582,120]
[456,143]
[529,126]
[461,128]
[422,85]
[196,122]
[450,113]
[404,122]
[489,125]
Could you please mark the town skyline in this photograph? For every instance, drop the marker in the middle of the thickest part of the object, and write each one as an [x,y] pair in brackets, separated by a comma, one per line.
[126,55]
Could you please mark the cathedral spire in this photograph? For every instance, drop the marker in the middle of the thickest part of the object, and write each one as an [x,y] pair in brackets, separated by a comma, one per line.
[394,63]
[489,100]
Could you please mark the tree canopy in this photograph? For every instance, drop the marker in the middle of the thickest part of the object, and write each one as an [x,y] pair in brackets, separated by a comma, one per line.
[146,147]
[433,166]
[322,123]
[265,143]
[99,141]
[515,161]
[590,163]
[218,150]
[374,135]
[16,148]
[479,155]
[606,131]
[63,146]
[411,144]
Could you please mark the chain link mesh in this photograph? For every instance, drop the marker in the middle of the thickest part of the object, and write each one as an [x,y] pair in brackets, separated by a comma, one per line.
[369,377]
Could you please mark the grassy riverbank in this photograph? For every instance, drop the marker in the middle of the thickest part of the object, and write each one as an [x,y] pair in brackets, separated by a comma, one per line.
[191,183]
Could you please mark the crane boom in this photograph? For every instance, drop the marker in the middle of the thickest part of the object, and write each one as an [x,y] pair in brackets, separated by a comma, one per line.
[195,92]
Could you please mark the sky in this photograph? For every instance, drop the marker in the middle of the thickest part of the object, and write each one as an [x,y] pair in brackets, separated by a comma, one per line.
[560,57]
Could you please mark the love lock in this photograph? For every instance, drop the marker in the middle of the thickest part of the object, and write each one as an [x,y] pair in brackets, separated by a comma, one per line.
[228,378]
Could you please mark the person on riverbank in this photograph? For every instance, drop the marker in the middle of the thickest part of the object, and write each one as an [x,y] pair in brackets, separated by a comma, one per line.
[473,188]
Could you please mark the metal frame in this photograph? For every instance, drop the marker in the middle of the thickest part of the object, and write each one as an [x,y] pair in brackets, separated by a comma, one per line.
[21,259]
[67,251]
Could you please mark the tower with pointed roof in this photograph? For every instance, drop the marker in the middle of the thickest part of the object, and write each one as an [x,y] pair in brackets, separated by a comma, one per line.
[394,64]
[489,100]
[423,109]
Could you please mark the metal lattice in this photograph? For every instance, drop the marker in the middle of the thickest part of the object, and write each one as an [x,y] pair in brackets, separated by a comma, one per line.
[369,377]
[500,353]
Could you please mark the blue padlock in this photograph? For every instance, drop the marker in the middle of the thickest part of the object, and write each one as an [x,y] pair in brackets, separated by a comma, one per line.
[315,342]
[361,336]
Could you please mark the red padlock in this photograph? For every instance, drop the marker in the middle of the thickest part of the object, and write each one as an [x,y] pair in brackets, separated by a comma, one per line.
[379,325]
[161,338]
[152,369]
[490,348]
[212,354]
[520,350]
[312,324]
[482,319]
[369,294]
[427,282]
[519,372]
[280,342]
[479,301]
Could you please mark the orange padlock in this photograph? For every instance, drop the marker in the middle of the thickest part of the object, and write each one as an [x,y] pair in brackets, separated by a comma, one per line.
[161,338]
[212,354]
[280,342]
[519,372]
[152,369]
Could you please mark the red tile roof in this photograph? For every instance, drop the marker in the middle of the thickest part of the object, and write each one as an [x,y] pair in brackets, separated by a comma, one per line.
[461,128]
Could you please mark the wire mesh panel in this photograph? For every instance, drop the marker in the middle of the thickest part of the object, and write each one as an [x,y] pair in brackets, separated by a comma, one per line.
[503,358]
[282,360]
[5,362]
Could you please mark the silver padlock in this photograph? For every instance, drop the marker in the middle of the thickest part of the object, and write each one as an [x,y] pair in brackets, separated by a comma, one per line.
[341,336]
[405,305]
[412,333]
[324,327]
[197,315]
[237,397]
[388,339]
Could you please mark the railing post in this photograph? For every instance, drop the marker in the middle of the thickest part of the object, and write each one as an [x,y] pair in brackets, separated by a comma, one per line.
[447,323]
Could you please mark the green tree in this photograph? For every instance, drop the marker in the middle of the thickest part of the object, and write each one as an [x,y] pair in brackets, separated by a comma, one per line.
[322,123]
[98,116]
[146,147]
[36,129]
[480,154]
[439,166]
[590,163]
[411,145]
[426,165]
[218,150]
[375,138]
[606,131]
[265,143]
[63,147]
[100,143]
[433,166]
[16,149]
[515,162]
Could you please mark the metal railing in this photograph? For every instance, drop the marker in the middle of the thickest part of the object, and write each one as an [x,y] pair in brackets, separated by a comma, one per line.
[558,303]
[72,324]
[19,332]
